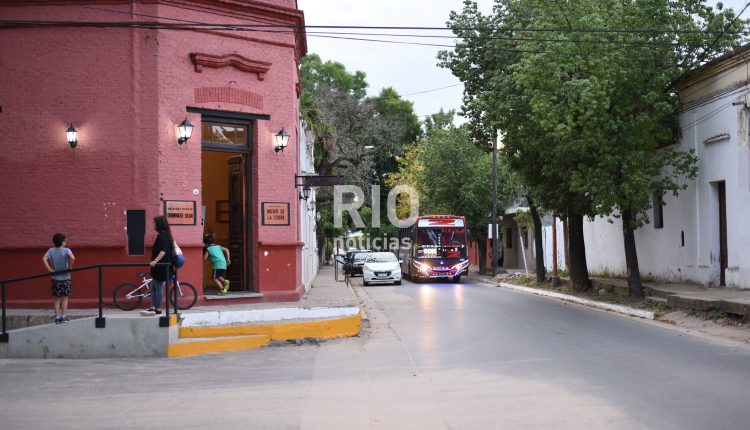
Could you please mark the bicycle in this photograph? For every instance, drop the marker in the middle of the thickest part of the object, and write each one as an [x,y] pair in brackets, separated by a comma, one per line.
[128,296]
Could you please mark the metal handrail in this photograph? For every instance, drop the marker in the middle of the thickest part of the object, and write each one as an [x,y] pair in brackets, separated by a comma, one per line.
[338,264]
[99,322]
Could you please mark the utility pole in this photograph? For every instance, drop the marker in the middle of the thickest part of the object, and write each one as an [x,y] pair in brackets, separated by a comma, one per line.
[494,205]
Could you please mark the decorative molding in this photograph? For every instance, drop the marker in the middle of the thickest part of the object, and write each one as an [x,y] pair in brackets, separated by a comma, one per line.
[228,95]
[717,138]
[201,60]
[284,244]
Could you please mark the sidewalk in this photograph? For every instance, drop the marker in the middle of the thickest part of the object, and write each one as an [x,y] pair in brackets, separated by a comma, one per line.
[686,296]
[329,309]
[691,296]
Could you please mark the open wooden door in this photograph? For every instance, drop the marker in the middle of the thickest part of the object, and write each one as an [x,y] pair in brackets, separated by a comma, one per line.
[237,270]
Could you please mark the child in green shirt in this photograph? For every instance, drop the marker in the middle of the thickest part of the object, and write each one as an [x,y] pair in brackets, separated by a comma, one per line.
[219,260]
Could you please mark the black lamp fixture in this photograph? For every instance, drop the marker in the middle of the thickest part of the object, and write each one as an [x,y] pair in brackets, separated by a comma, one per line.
[305,194]
[282,140]
[72,135]
[185,131]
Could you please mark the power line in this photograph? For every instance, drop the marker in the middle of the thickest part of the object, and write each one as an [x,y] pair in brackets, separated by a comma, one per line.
[429,91]
[235,26]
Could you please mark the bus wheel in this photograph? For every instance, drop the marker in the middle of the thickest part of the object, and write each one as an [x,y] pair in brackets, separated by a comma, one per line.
[457,279]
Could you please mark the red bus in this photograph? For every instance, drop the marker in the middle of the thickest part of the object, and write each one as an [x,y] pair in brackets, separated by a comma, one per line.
[435,246]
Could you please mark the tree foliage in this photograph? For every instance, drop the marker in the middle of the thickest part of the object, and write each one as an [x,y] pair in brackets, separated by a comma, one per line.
[589,116]
[451,174]
[356,136]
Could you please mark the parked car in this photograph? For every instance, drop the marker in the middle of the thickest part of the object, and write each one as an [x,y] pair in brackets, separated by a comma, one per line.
[354,265]
[381,267]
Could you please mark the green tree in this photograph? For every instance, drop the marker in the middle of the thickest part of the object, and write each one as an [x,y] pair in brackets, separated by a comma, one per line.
[355,136]
[451,174]
[599,104]
[485,60]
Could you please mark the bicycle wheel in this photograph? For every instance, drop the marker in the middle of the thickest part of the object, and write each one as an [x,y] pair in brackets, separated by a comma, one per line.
[186,296]
[123,298]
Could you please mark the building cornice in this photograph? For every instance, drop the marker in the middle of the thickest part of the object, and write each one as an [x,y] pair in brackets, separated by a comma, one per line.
[715,67]
[242,9]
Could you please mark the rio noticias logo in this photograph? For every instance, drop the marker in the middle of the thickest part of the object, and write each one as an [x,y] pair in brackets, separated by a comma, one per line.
[353,205]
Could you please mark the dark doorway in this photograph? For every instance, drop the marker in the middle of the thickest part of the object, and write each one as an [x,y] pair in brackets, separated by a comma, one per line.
[225,175]
[723,260]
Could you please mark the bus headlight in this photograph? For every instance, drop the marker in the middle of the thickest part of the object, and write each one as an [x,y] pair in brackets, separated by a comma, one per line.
[422,267]
[460,266]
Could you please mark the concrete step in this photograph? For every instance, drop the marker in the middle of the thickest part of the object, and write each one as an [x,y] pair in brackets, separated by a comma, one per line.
[657,300]
[656,292]
[188,347]
[327,328]
[738,307]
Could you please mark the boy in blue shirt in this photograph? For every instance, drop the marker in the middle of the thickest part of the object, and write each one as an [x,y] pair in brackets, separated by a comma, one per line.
[219,260]
[60,258]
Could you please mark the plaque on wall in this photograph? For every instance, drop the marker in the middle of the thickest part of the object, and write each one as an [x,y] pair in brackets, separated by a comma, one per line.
[275,213]
[180,212]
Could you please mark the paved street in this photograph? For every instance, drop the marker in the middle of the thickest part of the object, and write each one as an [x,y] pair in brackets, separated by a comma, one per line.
[434,356]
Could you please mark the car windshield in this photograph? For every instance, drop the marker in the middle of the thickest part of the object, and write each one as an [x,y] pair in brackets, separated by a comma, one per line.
[361,255]
[382,257]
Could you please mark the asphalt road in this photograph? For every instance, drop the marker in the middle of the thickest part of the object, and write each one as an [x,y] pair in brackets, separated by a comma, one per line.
[432,356]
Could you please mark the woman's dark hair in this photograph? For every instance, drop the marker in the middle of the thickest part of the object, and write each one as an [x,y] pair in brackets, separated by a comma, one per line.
[162,225]
[208,239]
[58,239]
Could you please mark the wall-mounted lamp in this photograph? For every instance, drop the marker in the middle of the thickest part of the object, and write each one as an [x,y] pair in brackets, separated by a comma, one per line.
[72,135]
[282,140]
[305,194]
[184,130]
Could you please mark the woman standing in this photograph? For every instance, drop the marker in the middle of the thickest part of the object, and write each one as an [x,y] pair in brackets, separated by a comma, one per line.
[162,252]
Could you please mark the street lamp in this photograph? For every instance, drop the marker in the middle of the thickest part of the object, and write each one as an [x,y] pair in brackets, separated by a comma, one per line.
[282,140]
[305,194]
[72,135]
[184,131]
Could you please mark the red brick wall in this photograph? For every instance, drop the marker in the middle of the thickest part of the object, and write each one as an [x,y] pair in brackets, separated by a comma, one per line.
[126,90]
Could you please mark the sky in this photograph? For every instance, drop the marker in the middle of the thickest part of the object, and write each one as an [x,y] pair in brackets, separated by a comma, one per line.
[408,69]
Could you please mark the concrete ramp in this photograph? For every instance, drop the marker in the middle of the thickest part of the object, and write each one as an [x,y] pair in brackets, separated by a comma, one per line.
[196,333]
[123,336]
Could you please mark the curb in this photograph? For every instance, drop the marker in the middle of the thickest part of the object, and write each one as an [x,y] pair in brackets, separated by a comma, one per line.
[640,313]
[268,316]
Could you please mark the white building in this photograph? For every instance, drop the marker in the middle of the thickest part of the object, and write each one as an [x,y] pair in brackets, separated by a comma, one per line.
[308,216]
[702,235]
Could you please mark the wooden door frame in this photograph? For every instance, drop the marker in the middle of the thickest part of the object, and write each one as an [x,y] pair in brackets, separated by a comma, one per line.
[247,152]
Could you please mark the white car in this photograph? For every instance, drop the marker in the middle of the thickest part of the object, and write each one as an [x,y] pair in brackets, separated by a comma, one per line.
[381,267]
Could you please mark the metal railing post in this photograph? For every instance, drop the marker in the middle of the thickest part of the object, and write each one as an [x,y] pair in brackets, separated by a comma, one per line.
[99,322]
[4,335]
[164,320]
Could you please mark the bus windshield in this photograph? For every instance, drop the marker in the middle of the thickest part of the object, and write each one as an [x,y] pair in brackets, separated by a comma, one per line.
[441,242]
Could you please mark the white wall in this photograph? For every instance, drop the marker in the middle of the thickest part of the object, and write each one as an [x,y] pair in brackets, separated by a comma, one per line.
[308,212]
[695,212]
[547,244]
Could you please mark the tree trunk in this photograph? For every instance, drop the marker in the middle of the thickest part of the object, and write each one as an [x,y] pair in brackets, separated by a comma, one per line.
[321,240]
[566,241]
[482,245]
[631,256]
[579,271]
[541,271]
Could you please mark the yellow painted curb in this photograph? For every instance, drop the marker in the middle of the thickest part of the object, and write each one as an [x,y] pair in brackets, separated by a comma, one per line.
[326,329]
[188,349]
